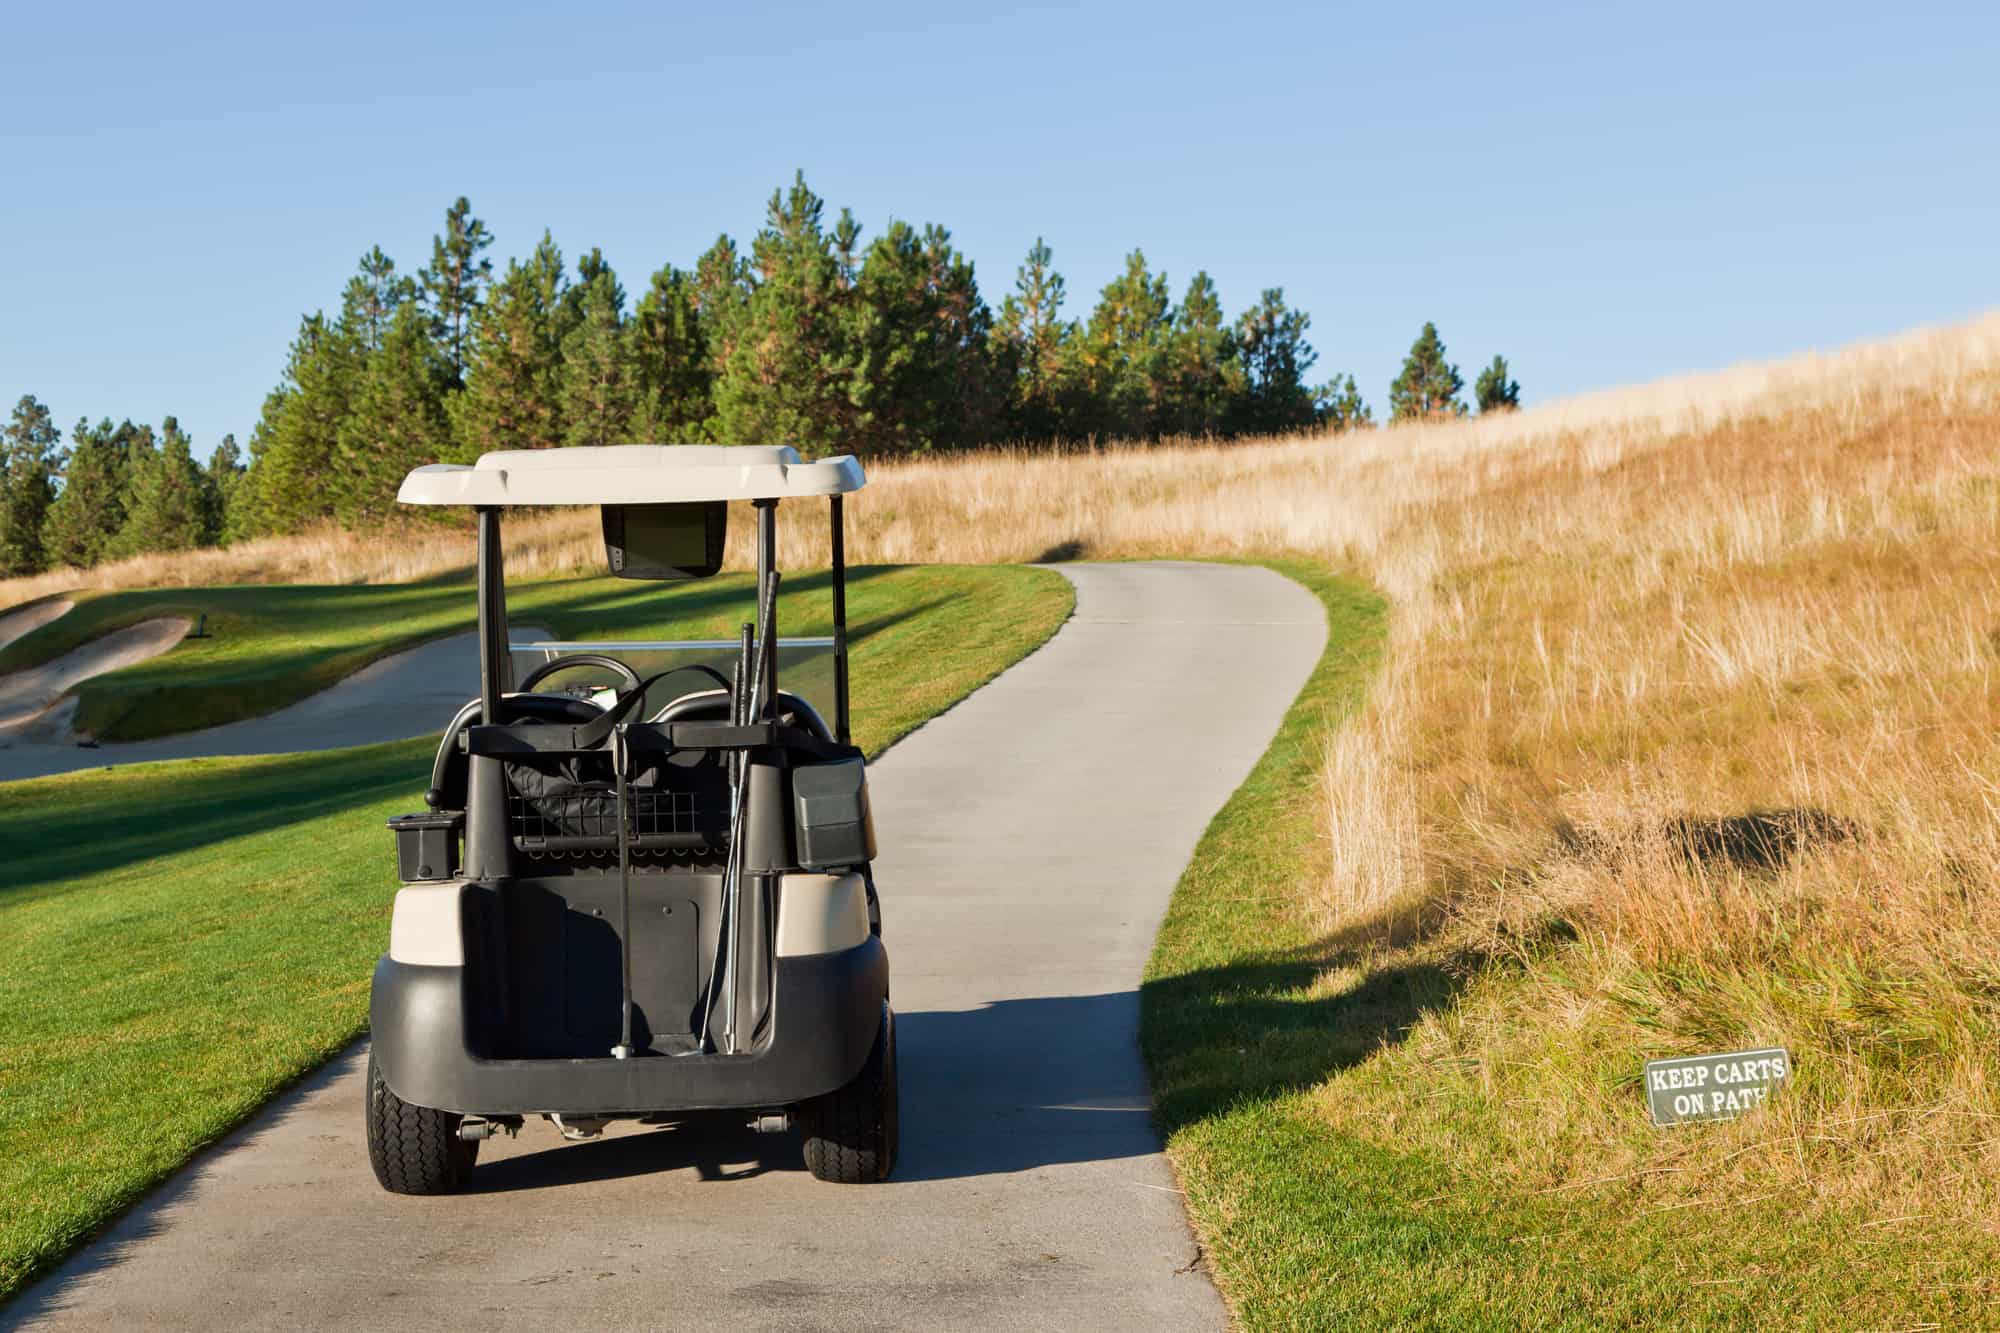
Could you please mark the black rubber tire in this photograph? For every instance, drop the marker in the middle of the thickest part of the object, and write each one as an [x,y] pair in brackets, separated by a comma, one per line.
[414,1149]
[851,1133]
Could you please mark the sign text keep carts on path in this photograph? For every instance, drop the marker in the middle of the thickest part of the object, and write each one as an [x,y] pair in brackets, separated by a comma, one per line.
[1713,1087]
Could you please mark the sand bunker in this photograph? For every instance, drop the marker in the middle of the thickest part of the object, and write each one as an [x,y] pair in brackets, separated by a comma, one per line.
[25,620]
[410,693]
[26,696]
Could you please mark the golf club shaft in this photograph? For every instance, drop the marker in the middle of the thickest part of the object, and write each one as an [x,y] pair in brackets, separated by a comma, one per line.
[620,758]
[733,918]
[739,713]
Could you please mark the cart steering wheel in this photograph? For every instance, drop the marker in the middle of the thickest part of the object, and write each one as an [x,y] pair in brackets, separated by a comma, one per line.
[629,679]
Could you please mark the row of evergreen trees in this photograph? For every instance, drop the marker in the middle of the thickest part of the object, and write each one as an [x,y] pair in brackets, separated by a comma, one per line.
[810,339]
[115,491]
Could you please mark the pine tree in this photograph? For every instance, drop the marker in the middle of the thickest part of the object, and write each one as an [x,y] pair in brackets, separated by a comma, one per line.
[372,298]
[29,461]
[301,425]
[598,382]
[1032,343]
[922,378]
[369,439]
[846,240]
[453,283]
[965,385]
[1495,392]
[91,508]
[1429,384]
[790,357]
[396,421]
[1276,356]
[166,510]
[247,515]
[590,266]
[667,344]
[223,484]
[1203,365]
[513,389]
[1120,359]
[721,298]
[1337,406]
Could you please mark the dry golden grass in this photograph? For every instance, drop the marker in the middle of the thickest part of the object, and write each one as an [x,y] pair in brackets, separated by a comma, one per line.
[417,549]
[1623,625]
[1688,731]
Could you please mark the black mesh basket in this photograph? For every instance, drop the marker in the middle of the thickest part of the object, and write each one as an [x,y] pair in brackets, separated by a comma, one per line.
[572,805]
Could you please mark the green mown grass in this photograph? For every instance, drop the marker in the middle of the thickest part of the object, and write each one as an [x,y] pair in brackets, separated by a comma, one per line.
[178,941]
[1253,1025]
[273,645]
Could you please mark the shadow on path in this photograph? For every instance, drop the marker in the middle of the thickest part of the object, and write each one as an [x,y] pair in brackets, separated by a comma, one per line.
[1010,1086]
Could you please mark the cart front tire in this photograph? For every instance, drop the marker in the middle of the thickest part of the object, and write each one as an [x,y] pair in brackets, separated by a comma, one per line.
[850,1133]
[414,1149]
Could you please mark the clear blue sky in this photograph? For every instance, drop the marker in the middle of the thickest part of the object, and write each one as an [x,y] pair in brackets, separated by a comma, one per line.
[1605,193]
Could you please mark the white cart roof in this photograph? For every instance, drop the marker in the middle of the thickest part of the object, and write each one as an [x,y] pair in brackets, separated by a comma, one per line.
[631,474]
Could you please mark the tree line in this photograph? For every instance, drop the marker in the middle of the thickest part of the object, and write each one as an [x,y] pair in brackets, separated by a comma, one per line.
[116,491]
[809,338]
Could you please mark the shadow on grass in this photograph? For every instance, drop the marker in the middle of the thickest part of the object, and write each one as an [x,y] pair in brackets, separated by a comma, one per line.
[271,645]
[625,606]
[94,822]
[100,821]
[1764,840]
[1265,1027]
[1063,552]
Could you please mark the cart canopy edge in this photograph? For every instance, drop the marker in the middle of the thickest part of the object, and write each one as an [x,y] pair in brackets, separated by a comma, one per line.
[632,474]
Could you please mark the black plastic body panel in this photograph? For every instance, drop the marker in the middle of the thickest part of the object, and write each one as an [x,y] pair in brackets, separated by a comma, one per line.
[542,959]
[831,818]
[543,955]
[825,1009]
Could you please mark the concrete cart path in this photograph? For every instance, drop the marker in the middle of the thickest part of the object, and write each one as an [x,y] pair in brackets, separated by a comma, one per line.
[411,693]
[1031,838]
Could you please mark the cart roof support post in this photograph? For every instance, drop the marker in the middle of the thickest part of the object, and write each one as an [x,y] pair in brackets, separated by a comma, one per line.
[767,567]
[839,625]
[496,675]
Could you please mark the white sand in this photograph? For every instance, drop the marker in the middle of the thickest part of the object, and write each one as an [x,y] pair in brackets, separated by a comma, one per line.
[26,695]
[24,620]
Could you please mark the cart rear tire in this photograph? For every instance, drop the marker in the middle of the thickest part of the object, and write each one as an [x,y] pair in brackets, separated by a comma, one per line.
[414,1149]
[851,1133]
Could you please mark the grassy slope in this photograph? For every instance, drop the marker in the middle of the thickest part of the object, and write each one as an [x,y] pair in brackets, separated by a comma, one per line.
[273,645]
[162,971]
[1279,1063]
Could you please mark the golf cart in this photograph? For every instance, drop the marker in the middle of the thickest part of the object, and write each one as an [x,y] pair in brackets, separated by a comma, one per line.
[638,896]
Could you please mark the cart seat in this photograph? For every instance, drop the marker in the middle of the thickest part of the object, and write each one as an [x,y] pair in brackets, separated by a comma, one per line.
[713,706]
[448,771]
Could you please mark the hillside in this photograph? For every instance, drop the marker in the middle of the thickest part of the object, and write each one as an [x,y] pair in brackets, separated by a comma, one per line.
[1683,739]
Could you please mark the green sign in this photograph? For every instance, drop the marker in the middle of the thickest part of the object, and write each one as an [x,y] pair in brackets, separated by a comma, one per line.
[1713,1087]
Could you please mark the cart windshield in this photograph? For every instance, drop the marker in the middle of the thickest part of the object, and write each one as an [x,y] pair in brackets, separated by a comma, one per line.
[805,668]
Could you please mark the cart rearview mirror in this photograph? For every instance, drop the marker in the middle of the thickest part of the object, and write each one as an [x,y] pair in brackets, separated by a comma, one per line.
[670,541]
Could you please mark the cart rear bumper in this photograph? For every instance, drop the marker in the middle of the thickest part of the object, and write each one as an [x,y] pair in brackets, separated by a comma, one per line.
[824,1013]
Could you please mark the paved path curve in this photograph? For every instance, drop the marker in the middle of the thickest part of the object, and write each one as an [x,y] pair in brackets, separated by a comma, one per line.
[1031,838]
[411,693]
